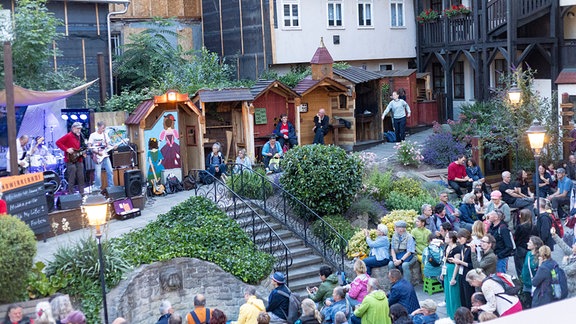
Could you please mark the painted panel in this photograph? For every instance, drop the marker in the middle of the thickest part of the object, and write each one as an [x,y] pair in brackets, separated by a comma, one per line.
[163,145]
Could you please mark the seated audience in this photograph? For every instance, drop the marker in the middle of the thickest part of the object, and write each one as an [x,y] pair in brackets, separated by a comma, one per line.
[420,234]
[463,316]
[215,162]
[358,288]
[269,150]
[511,193]
[310,315]
[243,162]
[166,312]
[496,202]
[402,251]
[561,197]
[399,314]
[544,181]
[337,303]
[432,258]
[286,133]
[457,177]
[426,314]
[468,211]
[250,310]
[379,249]
[402,291]
[14,315]
[329,282]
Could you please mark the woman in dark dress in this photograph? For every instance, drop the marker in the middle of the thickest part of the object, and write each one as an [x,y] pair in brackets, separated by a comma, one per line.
[464,261]
[544,181]
[522,183]
[450,274]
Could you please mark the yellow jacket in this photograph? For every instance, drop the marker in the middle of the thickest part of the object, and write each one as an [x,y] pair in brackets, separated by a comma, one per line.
[249,311]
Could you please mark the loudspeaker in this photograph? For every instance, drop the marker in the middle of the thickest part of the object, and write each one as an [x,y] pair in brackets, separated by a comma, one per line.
[124,156]
[133,182]
[115,192]
[69,201]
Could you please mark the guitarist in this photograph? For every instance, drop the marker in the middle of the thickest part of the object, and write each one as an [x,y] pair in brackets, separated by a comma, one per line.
[100,143]
[70,144]
[21,152]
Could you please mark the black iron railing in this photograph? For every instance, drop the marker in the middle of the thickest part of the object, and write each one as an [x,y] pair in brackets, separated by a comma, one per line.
[292,213]
[261,232]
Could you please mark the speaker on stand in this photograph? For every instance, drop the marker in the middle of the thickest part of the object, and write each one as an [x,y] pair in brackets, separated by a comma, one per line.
[133,182]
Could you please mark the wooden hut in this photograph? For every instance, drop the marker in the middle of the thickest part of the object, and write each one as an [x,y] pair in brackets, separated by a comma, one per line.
[271,99]
[173,125]
[229,116]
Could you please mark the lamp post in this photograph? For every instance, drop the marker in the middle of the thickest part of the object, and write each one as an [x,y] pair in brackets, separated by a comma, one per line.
[96,209]
[536,134]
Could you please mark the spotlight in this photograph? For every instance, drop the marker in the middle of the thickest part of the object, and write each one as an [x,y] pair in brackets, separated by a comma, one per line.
[74,117]
[65,117]
[83,116]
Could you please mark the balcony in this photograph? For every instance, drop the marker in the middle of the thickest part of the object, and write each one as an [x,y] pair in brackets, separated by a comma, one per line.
[448,31]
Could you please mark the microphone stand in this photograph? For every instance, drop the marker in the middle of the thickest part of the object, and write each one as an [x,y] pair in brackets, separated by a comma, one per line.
[134,153]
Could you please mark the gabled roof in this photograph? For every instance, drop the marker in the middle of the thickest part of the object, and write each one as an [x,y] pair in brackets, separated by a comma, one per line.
[397,73]
[566,76]
[225,95]
[322,56]
[357,75]
[140,112]
[307,85]
[264,85]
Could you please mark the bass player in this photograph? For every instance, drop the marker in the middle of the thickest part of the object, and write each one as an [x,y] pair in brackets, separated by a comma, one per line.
[21,153]
[100,143]
[73,154]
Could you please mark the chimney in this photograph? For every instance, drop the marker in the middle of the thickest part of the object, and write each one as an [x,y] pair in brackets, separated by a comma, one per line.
[321,63]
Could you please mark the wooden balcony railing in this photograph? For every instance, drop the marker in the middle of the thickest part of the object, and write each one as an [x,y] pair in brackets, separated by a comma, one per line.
[457,30]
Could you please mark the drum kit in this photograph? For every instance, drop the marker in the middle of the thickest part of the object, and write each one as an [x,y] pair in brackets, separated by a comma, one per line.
[53,167]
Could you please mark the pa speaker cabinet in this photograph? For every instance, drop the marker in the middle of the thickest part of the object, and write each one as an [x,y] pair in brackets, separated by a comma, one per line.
[70,201]
[115,192]
[133,182]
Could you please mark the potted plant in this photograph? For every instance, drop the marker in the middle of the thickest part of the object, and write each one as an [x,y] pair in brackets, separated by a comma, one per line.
[427,15]
[456,11]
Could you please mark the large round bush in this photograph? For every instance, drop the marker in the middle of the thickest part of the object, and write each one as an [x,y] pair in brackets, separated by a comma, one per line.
[18,246]
[323,177]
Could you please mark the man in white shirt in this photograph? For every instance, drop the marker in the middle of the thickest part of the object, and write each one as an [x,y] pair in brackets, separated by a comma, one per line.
[22,163]
[100,144]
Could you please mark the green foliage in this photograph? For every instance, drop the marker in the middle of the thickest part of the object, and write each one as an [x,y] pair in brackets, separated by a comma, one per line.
[385,91]
[297,73]
[340,224]
[397,200]
[357,246]
[408,216]
[197,228]
[129,100]
[249,185]
[379,184]
[341,65]
[18,246]
[323,177]
[365,205]
[40,285]
[408,186]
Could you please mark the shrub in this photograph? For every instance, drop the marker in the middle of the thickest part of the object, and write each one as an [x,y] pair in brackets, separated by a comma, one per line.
[18,246]
[250,185]
[40,285]
[197,228]
[340,224]
[408,216]
[441,149]
[323,177]
[365,205]
[379,185]
[398,200]
[357,246]
[368,161]
[408,186]
[408,153]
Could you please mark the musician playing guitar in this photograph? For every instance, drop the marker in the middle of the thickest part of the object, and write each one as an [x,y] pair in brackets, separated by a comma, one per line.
[22,155]
[101,146]
[73,154]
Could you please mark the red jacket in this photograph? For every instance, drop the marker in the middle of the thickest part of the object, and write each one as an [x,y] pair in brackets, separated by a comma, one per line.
[456,170]
[67,141]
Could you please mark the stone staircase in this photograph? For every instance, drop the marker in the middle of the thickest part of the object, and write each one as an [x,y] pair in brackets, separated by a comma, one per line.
[305,261]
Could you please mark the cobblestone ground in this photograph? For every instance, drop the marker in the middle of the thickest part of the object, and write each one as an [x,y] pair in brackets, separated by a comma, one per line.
[385,156]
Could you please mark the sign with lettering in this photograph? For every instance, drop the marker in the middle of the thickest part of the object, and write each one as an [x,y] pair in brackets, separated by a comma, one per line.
[260,116]
[26,199]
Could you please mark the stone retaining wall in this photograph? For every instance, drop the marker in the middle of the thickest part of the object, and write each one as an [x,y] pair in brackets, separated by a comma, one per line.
[138,297]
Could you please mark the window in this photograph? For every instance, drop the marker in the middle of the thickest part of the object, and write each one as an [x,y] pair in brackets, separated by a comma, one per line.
[386,67]
[458,75]
[365,13]
[438,78]
[291,14]
[436,5]
[397,13]
[334,13]
[115,39]
[499,70]
[342,101]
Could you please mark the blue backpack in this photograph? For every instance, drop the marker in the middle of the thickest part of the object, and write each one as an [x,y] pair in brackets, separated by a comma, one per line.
[559,283]
[390,136]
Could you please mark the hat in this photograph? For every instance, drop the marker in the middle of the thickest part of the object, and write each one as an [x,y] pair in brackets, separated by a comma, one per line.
[75,317]
[561,170]
[496,194]
[278,277]
[77,124]
[400,223]
[429,304]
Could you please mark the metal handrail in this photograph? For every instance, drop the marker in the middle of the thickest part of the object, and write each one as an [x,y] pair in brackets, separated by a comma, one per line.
[262,234]
[298,217]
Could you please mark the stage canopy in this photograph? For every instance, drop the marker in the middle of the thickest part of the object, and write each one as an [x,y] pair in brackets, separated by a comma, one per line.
[26,97]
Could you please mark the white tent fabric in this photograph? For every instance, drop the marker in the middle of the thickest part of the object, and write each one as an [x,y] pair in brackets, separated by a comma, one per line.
[26,97]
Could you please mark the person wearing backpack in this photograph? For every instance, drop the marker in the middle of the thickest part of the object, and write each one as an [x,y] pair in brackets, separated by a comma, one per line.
[200,314]
[544,224]
[278,300]
[542,281]
[504,242]
[568,262]
[497,301]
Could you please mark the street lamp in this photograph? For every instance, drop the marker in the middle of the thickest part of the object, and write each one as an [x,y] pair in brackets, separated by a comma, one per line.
[536,134]
[96,209]
[514,95]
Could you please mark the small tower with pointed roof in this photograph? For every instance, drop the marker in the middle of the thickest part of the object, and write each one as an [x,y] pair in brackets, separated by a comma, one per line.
[321,63]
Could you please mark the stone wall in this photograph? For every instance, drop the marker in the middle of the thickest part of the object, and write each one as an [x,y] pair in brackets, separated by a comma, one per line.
[138,297]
